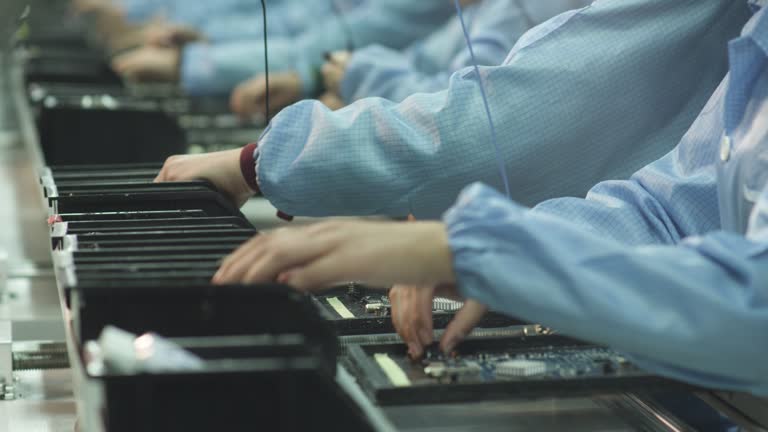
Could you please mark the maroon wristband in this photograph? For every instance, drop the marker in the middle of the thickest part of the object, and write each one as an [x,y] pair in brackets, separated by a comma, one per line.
[248,166]
[248,169]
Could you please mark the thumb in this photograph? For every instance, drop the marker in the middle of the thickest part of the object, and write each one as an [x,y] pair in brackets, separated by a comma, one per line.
[462,324]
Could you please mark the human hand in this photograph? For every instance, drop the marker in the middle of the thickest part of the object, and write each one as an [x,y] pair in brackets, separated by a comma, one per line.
[220,168]
[98,7]
[465,320]
[149,64]
[334,69]
[165,34]
[325,254]
[412,316]
[332,101]
[249,98]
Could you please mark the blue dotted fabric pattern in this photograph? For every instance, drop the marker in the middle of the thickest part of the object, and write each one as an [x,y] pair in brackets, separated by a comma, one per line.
[670,263]
[595,96]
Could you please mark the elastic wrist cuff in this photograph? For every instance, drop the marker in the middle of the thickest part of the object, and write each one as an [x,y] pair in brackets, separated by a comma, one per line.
[248,166]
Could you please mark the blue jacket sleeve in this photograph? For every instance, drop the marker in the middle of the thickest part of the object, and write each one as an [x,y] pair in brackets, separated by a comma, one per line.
[197,13]
[671,199]
[426,66]
[682,304]
[143,10]
[285,19]
[393,23]
[216,69]
[555,105]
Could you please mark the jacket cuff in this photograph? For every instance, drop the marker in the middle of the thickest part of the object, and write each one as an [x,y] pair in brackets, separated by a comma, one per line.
[248,166]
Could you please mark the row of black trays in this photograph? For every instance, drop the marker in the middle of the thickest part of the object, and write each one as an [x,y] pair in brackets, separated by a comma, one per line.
[139,256]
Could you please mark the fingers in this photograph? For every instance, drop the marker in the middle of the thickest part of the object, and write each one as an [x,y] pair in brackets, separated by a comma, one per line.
[124,62]
[237,264]
[248,98]
[132,66]
[412,316]
[235,100]
[410,322]
[149,64]
[160,38]
[422,310]
[286,251]
[395,299]
[332,74]
[463,323]
[319,274]
[163,175]
[332,101]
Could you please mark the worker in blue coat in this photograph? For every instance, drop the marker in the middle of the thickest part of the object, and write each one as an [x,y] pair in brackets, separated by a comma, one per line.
[593,94]
[493,26]
[215,69]
[125,24]
[669,266]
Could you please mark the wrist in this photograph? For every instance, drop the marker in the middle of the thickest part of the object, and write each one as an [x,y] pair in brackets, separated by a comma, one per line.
[436,252]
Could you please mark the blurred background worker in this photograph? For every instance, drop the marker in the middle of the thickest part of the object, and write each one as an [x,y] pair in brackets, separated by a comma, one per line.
[129,24]
[494,26]
[666,266]
[216,68]
[593,94]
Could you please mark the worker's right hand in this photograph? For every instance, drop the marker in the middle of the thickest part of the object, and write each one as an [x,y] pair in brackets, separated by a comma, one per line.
[220,168]
[165,34]
[249,98]
[412,317]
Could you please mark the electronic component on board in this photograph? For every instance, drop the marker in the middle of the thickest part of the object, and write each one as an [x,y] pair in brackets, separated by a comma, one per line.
[520,368]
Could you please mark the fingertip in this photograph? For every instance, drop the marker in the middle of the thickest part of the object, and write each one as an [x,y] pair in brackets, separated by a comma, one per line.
[284,278]
[425,336]
[449,342]
[216,279]
[299,282]
[415,351]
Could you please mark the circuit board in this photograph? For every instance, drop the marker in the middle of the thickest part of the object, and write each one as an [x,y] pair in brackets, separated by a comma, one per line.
[356,309]
[546,362]
[497,368]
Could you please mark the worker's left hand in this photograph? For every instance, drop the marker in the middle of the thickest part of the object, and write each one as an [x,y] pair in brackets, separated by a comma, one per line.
[221,168]
[249,98]
[334,69]
[151,64]
[323,255]
[465,320]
